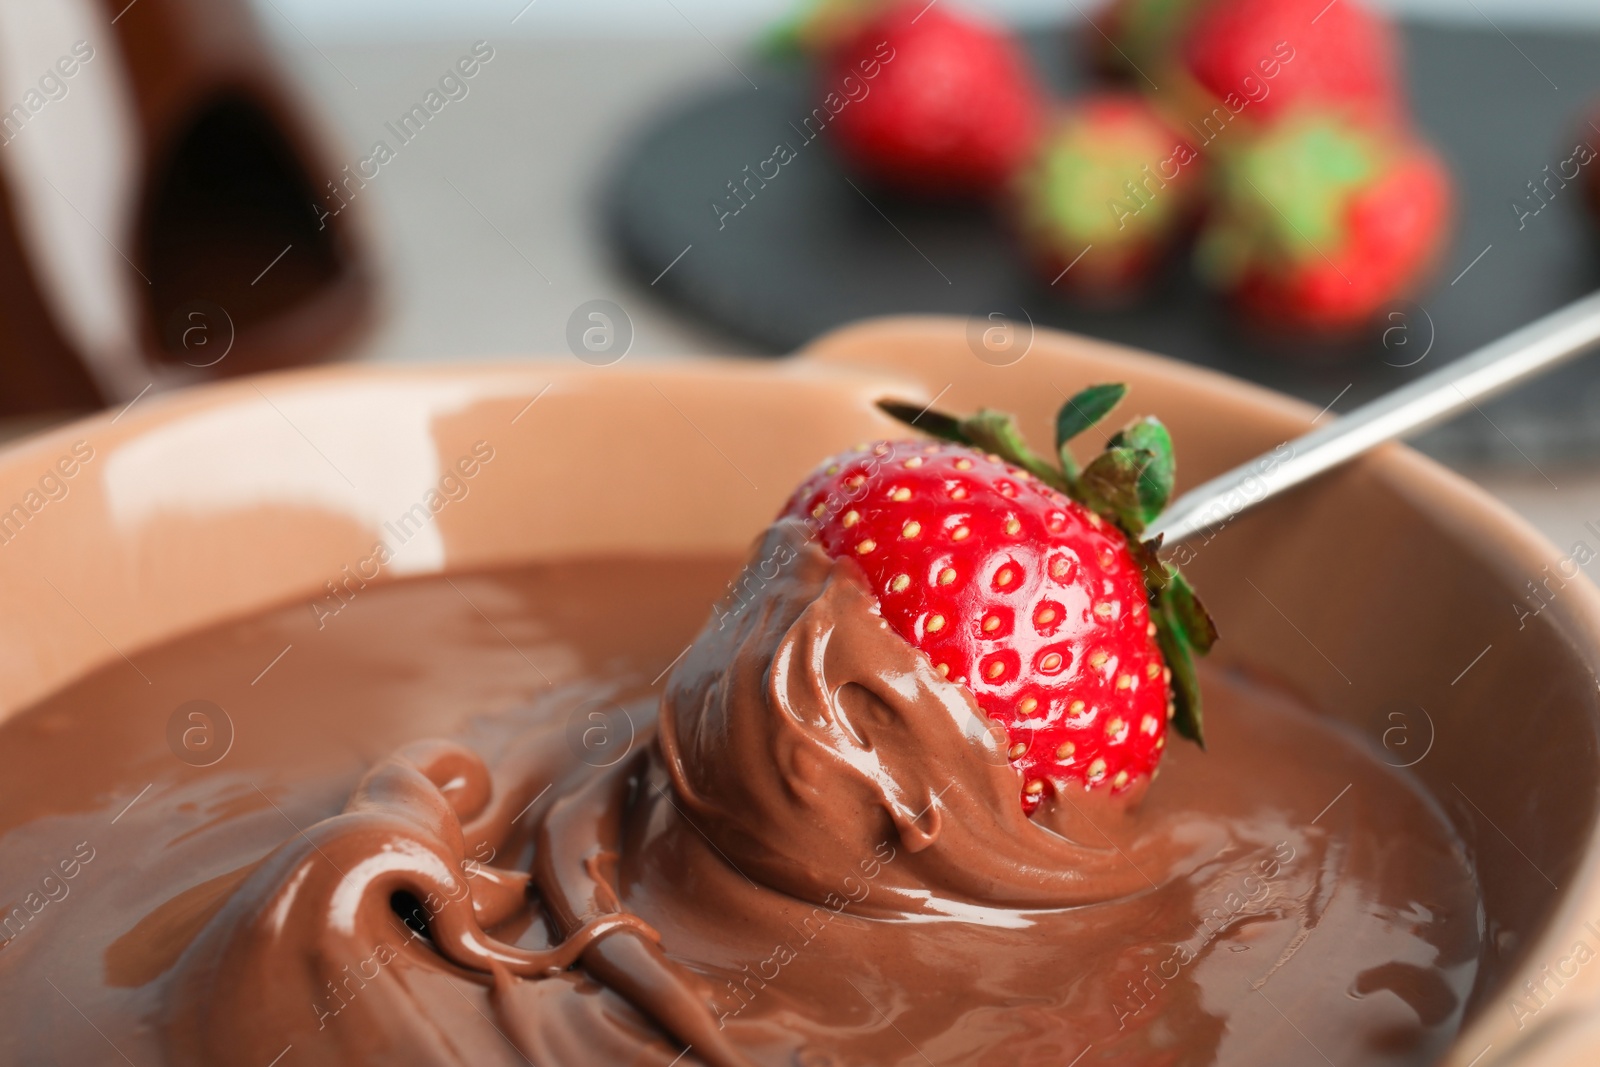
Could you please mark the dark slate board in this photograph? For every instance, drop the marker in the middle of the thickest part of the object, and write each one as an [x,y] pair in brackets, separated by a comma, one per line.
[810,252]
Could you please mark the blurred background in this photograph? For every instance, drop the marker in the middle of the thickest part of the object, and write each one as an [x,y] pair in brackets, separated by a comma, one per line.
[583,160]
[539,141]
[739,18]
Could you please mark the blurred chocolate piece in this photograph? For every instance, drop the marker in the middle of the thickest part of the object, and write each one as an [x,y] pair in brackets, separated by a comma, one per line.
[159,222]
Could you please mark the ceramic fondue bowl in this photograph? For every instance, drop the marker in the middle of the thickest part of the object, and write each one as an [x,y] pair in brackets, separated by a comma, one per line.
[1391,596]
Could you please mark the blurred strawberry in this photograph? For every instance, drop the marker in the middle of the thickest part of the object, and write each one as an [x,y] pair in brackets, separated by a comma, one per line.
[1134,39]
[1277,56]
[1113,178]
[952,111]
[1320,222]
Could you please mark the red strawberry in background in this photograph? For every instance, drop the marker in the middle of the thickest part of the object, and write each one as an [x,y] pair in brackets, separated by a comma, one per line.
[1320,222]
[952,111]
[1110,192]
[1027,583]
[1281,55]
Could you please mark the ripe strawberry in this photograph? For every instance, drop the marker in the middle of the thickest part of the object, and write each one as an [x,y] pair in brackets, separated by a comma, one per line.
[952,111]
[1112,184]
[1027,583]
[1320,222]
[1282,55]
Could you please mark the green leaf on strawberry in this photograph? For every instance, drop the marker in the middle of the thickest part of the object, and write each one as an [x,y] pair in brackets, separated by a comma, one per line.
[1084,409]
[1188,630]
[1151,439]
[1179,654]
[933,423]
[1196,621]
[1110,485]
[995,432]
[998,432]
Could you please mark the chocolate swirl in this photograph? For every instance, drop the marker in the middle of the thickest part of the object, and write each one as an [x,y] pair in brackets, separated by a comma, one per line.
[819,858]
[307,935]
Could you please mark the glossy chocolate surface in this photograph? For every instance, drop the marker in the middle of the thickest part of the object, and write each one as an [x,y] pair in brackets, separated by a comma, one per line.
[441,837]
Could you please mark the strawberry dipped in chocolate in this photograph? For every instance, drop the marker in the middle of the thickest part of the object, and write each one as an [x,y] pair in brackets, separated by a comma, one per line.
[1026,581]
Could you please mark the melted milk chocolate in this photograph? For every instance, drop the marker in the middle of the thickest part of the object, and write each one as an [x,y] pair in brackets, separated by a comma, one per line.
[445,830]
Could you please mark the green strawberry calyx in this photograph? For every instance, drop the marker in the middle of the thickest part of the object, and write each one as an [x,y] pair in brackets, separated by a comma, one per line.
[1128,484]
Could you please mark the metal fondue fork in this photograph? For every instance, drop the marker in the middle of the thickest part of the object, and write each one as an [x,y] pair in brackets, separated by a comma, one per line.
[1431,399]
